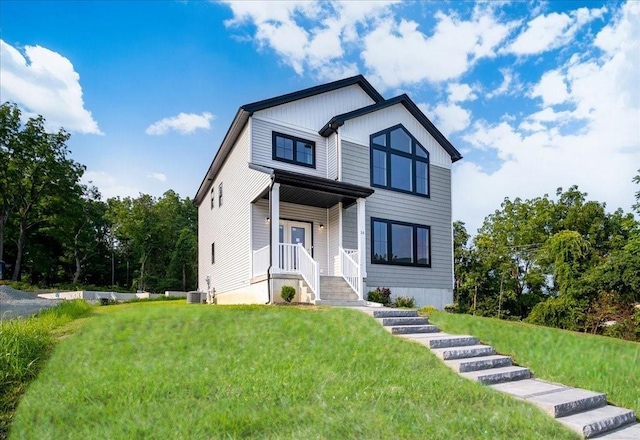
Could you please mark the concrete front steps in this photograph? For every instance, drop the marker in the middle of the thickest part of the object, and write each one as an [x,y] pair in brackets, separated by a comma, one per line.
[585,412]
[335,291]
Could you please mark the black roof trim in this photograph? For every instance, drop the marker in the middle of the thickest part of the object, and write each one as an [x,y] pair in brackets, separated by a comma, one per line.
[312,91]
[339,120]
[321,184]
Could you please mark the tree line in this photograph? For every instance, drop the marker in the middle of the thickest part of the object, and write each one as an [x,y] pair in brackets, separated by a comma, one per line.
[55,230]
[565,263]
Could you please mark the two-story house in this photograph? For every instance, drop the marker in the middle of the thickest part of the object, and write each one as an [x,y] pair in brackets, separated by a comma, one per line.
[326,189]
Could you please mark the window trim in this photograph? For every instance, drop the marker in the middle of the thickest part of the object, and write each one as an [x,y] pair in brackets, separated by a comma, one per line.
[220,195]
[414,251]
[295,139]
[389,151]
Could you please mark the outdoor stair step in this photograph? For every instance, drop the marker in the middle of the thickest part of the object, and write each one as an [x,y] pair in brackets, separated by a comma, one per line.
[339,303]
[412,329]
[351,295]
[391,313]
[443,340]
[469,351]
[568,401]
[404,320]
[627,432]
[599,420]
[497,375]
[479,363]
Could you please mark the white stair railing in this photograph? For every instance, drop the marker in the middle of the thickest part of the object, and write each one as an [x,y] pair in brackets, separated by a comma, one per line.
[261,261]
[351,270]
[308,268]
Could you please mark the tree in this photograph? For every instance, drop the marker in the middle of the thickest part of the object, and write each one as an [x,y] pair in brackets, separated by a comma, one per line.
[9,129]
[47,179]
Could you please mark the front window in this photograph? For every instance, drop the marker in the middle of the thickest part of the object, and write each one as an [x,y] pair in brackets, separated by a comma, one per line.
[399,162]
[294,150]
[220,195]
[400,243]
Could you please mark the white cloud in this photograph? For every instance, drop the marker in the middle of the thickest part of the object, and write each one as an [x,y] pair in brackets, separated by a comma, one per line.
[547,32]
[551,88]
[539,154]
[460,92]
[183,123]
[398,53]
[109,185]
[43,82]
[447,117]
[309,36]
[508,86]
[158,176]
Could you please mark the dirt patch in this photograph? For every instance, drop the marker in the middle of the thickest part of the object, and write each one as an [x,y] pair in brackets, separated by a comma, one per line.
[15,303]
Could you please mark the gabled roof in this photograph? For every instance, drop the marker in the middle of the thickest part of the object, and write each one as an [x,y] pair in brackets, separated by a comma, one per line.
[339,120]
[245,111]
[316,90]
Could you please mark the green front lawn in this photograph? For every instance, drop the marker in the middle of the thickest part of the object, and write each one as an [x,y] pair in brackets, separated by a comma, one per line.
[596,363]
[174,371]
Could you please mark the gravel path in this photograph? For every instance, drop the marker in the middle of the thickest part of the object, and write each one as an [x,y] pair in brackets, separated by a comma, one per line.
[15,303]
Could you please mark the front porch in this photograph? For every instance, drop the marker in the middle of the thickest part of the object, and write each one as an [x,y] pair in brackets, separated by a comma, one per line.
[320,232]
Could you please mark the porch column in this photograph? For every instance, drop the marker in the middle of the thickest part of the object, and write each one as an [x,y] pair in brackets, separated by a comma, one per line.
[274,204]
[362,246]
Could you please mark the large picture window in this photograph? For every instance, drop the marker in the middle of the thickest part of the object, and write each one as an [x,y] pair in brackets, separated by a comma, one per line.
[294,150]
[399,162]
[400,243]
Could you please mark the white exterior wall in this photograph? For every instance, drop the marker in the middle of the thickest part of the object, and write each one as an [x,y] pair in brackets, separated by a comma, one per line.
[228,226]
[358,130]
[262,147]
[314,112]
[333,230]
[332,157]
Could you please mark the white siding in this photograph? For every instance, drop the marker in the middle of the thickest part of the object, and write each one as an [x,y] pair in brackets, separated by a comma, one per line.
[334,244]
[314,112]
[228,226]
[289,211]
[262,148]
[332,156]
[358,130]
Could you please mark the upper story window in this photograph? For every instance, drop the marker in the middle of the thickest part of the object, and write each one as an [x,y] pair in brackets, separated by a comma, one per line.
[213,200]
[220,195]
[294,150]
[399,162]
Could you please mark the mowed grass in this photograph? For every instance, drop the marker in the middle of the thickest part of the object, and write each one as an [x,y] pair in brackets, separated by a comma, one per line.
[171,371]
[596,363]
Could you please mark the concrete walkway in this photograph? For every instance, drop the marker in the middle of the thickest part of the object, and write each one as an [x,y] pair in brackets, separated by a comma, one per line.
[585,412]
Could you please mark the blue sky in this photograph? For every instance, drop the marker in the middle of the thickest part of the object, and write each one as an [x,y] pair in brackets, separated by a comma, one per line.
[536,95]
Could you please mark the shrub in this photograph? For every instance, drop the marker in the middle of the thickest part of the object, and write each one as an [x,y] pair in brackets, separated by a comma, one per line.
[426,311]
[561,312]
[287,293]
[451,308]
[407,302]
[381,295]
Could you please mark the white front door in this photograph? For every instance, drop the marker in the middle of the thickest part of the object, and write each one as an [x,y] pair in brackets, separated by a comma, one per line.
[296,233]
[293,233]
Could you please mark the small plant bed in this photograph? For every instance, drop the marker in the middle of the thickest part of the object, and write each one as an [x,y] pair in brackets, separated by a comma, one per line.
[595,363]
[177,371]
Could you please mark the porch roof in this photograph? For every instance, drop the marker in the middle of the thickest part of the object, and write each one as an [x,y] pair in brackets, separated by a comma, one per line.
[303,189]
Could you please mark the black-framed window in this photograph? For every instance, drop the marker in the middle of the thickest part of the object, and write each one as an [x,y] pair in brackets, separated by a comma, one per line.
[213,200]
[400,243]
[294,150]
[399,162]
[220,195]
[213,253]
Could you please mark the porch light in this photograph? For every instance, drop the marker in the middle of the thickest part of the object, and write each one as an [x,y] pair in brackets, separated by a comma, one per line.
[266,219]
[321,226]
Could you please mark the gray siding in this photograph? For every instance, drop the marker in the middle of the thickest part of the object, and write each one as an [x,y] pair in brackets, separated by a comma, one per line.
[350,227]
[228,226]
[434,212]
